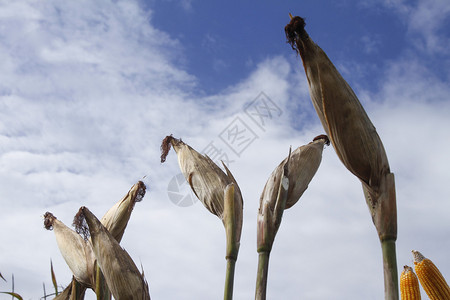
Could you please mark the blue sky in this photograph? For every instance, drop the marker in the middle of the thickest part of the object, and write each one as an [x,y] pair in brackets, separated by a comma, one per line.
[88,89]
[212,35]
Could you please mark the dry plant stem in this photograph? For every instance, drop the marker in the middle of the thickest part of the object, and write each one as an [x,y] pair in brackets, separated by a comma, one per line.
[78,291]
[261,280]
[101,288]
[232,244]
[390,270]
[384,216]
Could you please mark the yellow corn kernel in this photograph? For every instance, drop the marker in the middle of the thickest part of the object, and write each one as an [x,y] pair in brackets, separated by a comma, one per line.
[409,285]
[430,278]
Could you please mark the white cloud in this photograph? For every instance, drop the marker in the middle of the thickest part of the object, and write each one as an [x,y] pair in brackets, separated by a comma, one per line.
[426,21]
[87,96]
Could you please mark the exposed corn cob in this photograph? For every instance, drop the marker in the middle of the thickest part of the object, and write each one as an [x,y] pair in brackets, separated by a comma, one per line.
[430,278]
[409,284]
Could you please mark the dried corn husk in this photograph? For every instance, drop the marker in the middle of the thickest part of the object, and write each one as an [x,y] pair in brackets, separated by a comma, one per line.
[122,276]
[355,140]
[285,186]
[74,291]
[116,219]
[219,193]
[76,251]
[206,179]
[350,130]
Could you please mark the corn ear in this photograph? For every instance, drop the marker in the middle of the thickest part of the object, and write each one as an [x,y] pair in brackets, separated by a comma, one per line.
[122,276]
[206,179]
[350,130]
[116,218]
[219,193]
[297,169]
[409,284]
[76,251]
[355,141]
[430,278]
[303,165]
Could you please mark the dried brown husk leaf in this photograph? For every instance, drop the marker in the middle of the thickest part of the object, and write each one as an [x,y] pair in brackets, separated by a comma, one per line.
[76,251]
[206,179]
[297,171]
[122,276]
[117,217]
[303,165]
[350,130]
[344,119]
[74,291]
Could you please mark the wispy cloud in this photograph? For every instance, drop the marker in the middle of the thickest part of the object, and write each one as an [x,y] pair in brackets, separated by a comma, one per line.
[426,22]
[87,92]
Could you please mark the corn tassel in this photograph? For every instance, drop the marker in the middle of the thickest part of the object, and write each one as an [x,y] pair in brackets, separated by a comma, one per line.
[430,278]
[409,285]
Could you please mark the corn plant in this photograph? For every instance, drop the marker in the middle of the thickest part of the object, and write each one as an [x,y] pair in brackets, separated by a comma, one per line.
[219,193]
[82,254]
[355,141]
[283,189]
